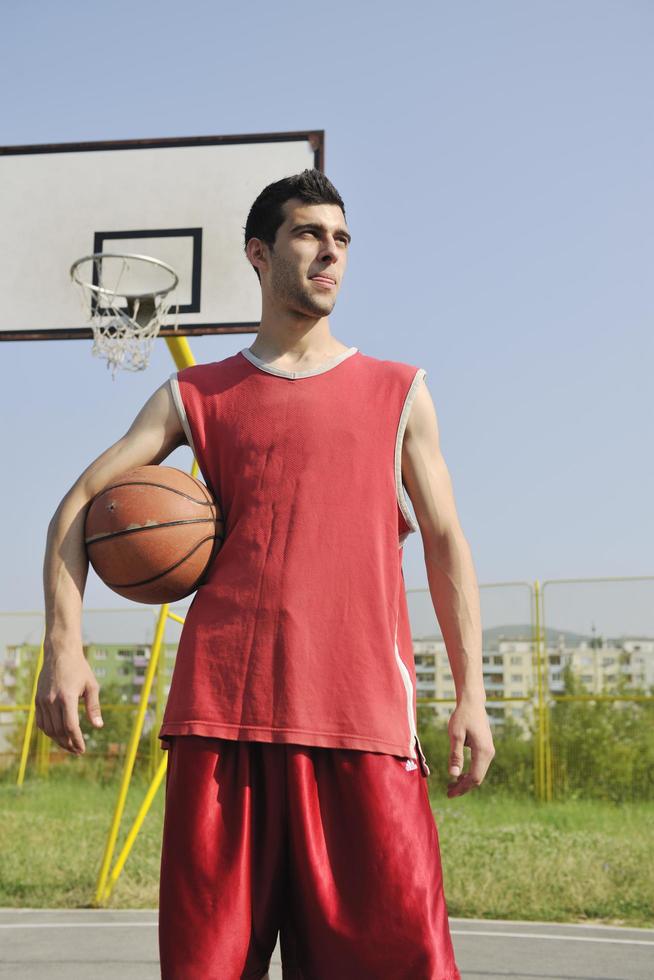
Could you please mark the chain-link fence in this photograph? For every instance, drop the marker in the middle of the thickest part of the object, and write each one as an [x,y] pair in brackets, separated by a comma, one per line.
[569,677]
[508,660]
[568,671]
[600,695]
[118,645]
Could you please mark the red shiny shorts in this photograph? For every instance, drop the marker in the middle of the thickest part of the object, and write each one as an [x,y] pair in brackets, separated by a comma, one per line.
[335,849]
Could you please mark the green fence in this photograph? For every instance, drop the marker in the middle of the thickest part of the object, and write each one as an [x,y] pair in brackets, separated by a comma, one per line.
[569,679]
[568,672]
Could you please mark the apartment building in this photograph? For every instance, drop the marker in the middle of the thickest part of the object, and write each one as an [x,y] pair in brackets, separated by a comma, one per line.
[509,670]
[510,677]
[127,666]
[121,664]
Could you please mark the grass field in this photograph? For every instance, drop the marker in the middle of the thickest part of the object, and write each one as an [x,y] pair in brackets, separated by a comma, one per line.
[502,858]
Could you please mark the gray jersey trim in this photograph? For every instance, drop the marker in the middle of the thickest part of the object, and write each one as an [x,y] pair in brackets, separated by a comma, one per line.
[181,411]
[292,375]
[402,499]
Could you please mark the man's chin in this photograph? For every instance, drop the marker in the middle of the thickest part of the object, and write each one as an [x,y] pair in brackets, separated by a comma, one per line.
[311,308]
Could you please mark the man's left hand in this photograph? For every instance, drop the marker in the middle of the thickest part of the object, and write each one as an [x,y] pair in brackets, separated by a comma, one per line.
[469,725]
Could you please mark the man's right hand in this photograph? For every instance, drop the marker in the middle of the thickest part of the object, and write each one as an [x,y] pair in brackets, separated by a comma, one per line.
[65,678]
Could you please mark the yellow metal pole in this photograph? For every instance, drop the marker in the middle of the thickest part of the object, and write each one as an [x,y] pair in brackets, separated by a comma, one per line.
[152,758]
[183,357]
[130,757]
[535,621]
[136,826]
[31,712]
[145,806]
[540,742]
[181,351]
[547,741]
[155,745]
[42,753]
[548,756]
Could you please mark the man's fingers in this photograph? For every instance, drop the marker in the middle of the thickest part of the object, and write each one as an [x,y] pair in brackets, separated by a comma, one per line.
[461,786]
[71,730]
[465,782]
[49,724]
[481,760]
[55,724]
[456,753]
[92,702]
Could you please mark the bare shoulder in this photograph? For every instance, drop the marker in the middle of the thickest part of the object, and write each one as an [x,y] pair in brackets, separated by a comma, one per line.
[422,422]
[160,413]
[153,435]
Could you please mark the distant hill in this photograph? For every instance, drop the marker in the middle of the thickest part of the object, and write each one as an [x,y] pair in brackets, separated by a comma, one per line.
[517,631]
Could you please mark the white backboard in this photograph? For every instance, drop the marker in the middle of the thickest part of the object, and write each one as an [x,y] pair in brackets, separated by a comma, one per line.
[184,201]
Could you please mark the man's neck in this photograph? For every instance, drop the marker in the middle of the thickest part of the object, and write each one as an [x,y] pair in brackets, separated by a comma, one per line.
[310,346]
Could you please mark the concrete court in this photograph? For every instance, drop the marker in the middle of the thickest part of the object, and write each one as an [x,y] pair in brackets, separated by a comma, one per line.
[101,944]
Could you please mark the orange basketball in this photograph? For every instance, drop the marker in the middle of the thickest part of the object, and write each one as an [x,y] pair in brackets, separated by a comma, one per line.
[152,534]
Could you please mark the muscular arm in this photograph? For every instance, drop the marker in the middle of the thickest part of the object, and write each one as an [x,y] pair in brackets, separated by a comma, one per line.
[66,676]
[452,584]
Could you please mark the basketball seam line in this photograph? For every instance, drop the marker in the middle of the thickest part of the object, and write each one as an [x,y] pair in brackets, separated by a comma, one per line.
[150,527]
[160,486]
[148,581]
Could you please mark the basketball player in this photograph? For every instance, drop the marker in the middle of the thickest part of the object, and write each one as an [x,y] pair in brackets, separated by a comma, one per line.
[296,790]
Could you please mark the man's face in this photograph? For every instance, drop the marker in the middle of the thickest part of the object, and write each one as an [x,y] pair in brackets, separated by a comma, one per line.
[312,242]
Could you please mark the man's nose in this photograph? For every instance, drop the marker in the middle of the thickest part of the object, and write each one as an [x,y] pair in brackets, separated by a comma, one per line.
[329,249]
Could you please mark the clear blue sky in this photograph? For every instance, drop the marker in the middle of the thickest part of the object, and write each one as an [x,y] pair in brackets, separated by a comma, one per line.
[496,162]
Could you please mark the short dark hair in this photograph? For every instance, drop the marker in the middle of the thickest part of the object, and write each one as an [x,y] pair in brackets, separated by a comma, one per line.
[266,216]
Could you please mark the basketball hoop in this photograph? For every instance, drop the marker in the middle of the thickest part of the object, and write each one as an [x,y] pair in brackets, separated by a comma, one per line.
[125,319]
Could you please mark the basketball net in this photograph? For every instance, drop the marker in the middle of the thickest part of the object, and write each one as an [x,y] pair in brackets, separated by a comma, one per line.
[124,323]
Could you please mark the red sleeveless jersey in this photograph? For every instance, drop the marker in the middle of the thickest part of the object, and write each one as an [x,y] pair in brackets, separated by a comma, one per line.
[300,630]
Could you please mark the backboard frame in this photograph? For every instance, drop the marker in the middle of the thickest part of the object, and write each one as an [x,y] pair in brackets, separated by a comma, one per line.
[316,140]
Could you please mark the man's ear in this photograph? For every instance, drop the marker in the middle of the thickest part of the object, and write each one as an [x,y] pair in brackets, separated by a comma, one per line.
[258,253]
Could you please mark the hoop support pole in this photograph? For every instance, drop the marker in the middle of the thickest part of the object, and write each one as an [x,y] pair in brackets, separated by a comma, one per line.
[29,724]
[130,758]
[181,352]
[183,357]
